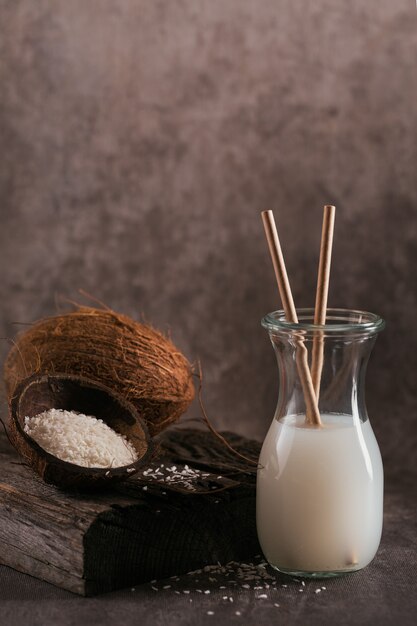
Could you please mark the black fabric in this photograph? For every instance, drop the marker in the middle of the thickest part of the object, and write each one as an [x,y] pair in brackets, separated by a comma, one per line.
[383,594]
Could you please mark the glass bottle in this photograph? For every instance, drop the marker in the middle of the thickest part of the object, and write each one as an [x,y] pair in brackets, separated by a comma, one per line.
[320,488]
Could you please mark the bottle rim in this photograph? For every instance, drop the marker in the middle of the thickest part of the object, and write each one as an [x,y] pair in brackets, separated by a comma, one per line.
[337,321]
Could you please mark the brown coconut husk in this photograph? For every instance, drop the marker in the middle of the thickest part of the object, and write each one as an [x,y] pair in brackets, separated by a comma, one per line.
[73,393]
[134,360]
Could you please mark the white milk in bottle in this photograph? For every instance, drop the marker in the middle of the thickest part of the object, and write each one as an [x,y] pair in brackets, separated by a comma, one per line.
[320,495]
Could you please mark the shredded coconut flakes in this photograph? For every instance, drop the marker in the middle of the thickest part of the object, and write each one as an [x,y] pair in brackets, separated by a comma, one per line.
[255,576]
[80,439]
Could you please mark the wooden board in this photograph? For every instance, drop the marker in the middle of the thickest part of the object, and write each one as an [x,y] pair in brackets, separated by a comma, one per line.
[91,543]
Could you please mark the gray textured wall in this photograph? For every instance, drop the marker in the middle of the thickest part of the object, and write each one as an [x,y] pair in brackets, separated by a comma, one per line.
[140,140]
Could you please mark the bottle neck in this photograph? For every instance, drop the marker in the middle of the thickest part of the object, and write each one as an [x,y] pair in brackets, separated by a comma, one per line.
[341,381]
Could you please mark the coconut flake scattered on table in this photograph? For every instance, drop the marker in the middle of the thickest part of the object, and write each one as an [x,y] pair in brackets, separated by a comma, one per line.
[255,576]
[80,439]
[181,476]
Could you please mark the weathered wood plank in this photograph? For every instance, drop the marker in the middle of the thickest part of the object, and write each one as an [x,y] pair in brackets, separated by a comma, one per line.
[14,557]
[95,542]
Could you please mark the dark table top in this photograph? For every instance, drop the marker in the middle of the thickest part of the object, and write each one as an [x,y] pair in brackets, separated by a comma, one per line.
[384,593]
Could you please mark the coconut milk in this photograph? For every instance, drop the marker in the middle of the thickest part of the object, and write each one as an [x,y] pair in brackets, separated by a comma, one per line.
[320,495]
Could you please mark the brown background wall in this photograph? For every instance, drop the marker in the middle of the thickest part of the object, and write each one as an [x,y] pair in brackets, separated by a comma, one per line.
[140,140]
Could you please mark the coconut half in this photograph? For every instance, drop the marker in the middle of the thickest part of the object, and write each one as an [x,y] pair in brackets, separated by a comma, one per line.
[74,393]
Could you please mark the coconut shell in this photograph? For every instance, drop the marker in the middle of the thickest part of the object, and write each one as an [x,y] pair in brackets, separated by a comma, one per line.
[72,393]
[134,360]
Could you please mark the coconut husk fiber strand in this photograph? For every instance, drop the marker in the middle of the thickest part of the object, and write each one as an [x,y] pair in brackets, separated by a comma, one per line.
[133,359]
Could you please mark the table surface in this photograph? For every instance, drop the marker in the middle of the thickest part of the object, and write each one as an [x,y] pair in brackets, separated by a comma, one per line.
[384,593]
